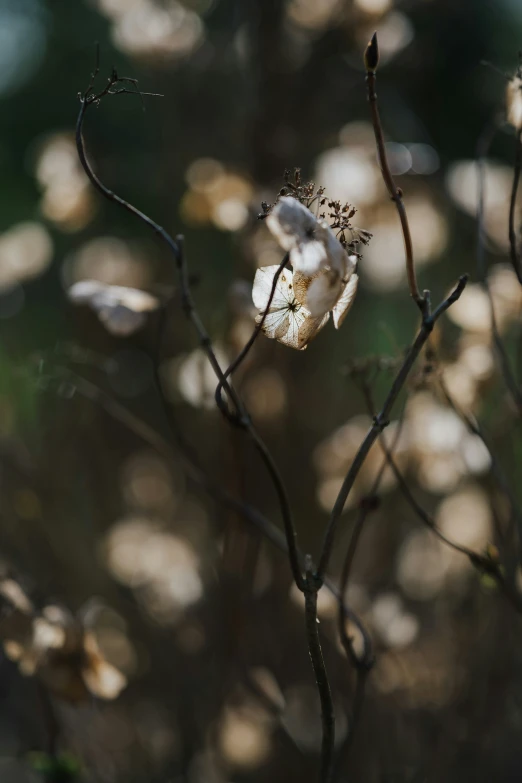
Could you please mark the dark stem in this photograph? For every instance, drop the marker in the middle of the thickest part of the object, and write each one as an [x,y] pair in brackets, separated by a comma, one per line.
[513,238]
[321,677]
[198,476]
[483,146]
[177,249]
[381,421]
[393,190]
[362,665]
[248,345]
[483,562]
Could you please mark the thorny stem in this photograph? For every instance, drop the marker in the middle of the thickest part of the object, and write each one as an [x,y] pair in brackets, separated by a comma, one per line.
[393,190]
[513,239]
[321,677]
[176,247]
[381,421]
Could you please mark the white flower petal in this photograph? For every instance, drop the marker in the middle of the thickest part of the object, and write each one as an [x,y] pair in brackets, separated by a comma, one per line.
[312,245]
[119,320]
[131,298]
[84,290]
[310,328]
[323,293]
[262,288]
[119,308]
[291,223]
[309,257]
[335,252]
[287,320]
[340,310]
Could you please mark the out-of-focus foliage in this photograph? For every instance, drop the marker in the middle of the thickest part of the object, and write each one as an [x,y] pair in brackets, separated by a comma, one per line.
[148,633]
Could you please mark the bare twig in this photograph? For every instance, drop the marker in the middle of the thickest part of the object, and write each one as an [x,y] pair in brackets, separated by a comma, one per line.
[496,469]
[371,61]
[248,345]
[195,473]
[484,563]
[321,677]
[176,246]
[363,664]
[483,146]
[381,421]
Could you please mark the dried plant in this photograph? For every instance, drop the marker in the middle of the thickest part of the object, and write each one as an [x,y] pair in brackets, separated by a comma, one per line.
[315,280]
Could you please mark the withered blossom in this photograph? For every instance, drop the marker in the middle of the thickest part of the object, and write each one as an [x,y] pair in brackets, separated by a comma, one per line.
[325,291]
[311,243]
[57,647]
[122,310]
[301,305]
[322,250]
[287,320]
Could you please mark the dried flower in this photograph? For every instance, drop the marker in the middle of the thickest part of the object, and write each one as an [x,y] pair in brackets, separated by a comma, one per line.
[287,320]
[121,309]
[327,291]
[301,305]
[57,647]
[311,243]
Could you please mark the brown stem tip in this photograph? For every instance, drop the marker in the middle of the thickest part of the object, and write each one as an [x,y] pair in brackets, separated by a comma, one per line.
[371,55]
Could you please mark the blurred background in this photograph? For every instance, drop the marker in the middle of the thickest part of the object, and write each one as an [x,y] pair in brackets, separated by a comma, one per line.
[149,633]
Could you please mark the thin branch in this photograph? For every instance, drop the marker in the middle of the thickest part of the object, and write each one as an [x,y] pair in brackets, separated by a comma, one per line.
[513,238]
[321,677]
[368,504]
[483,146]
[403,486]
[381,421]
[362,665]
[482,562]
[496,468]
[358,702]
[371,60]
[248,345]
[177,248]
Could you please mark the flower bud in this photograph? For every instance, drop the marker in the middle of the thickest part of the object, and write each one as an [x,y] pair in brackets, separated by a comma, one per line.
[371,55]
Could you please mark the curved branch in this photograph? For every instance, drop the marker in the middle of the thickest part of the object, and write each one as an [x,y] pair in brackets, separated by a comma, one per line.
[177,249]
[483,146]
[248,345]
[513,239]
[371,60]
[381,421]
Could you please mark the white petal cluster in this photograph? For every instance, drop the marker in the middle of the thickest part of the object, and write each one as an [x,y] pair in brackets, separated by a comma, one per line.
[323,280]
[311,243]
[122,310]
